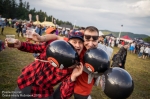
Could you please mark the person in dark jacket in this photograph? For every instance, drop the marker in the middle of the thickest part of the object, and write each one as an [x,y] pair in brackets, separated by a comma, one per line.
[119,59]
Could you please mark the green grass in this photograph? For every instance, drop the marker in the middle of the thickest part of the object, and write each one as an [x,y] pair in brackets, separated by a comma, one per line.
[12,62]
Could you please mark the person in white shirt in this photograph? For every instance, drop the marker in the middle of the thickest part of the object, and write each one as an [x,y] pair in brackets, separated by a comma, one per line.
[146,50]
[112,43]
[105,48]
[141,51]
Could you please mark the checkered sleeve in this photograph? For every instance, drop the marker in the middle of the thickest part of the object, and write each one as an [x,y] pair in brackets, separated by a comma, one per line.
[67,88]
[33,48]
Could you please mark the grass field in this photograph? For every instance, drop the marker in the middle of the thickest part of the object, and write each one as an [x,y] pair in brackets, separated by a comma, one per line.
[12,61]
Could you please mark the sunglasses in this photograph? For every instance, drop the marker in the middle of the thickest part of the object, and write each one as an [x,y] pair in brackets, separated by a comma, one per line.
[89,36]
[75,33]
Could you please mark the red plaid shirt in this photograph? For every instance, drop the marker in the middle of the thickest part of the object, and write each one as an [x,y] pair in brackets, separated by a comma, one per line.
[40,75]
[67,86]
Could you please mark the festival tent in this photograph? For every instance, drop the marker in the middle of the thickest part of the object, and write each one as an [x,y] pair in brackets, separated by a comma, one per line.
[126,38]
[146,44]
[36,22]
[111,35]
[46,23]
[14,20]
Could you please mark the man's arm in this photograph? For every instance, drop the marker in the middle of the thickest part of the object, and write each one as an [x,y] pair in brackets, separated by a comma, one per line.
[32,48]
[29,47]
[67,86]
[47,37]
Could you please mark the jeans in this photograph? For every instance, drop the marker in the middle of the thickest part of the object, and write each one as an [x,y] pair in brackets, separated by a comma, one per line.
[140,54]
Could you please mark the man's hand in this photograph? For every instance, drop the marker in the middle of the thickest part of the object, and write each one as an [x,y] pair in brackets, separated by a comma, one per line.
[77,71]
[36,37]
[17,43]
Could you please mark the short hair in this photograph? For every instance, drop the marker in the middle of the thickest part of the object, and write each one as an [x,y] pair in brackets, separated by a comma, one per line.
[103,36]
[91,29]
[82,28]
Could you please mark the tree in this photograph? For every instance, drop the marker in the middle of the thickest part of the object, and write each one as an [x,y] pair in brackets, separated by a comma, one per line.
[10,9]
[28,6]
[147,39]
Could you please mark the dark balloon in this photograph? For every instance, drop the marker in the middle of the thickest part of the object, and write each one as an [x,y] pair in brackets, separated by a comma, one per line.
[62,54]
[117,83]
[98,59]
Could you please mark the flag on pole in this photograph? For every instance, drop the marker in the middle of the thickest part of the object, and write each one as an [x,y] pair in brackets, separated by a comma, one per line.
[30,17]
[45,18]
[52,18]
[37,17]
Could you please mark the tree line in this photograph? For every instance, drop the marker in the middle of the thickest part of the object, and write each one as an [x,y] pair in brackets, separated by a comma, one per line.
[147,39]
[12,9]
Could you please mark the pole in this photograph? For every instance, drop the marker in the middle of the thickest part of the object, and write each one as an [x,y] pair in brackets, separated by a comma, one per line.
[120,32]
[74,24]
[52,19]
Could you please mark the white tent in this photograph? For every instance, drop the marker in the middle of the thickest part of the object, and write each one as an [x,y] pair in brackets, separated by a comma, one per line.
[100,33]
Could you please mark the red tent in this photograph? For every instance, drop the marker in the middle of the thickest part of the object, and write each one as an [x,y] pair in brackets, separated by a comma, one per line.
[126,37]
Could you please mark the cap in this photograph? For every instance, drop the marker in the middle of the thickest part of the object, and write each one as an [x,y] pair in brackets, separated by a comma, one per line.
[50,30]
[75,34]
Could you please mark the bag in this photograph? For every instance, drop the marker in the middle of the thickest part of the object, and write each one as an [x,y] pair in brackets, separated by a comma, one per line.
[114,57]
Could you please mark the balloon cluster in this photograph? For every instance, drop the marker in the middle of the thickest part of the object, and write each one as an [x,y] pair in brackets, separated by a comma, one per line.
[116,82]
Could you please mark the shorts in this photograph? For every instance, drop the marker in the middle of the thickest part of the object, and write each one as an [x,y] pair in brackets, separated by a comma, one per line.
[146,54]
[131,48]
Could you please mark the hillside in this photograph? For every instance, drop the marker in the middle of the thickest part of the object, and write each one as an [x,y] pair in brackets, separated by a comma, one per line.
[131,35]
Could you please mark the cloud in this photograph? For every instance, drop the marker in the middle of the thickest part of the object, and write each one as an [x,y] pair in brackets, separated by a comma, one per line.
[104,14]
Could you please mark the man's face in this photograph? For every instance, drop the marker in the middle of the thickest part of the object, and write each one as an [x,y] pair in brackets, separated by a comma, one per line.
[90,39]
[77,43]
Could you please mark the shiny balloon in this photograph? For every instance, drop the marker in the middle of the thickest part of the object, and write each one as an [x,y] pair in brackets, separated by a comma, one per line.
[62,53]
[97,59]
[117,83]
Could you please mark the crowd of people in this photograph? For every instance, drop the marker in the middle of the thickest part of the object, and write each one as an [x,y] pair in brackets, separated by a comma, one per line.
[74,81]
[38,78]
[142,50]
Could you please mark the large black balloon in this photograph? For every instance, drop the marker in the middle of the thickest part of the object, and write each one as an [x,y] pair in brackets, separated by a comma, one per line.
[63,52]
[98,59]
[117,83]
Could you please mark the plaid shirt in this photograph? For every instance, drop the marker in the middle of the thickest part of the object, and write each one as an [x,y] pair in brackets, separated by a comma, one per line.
[40,75]
[67,86]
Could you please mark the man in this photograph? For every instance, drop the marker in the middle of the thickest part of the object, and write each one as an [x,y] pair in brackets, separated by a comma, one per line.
[120,58]
[39,77]
[82,88]
[105,48]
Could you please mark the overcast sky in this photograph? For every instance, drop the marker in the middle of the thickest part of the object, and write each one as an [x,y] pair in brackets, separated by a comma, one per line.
[104,14]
